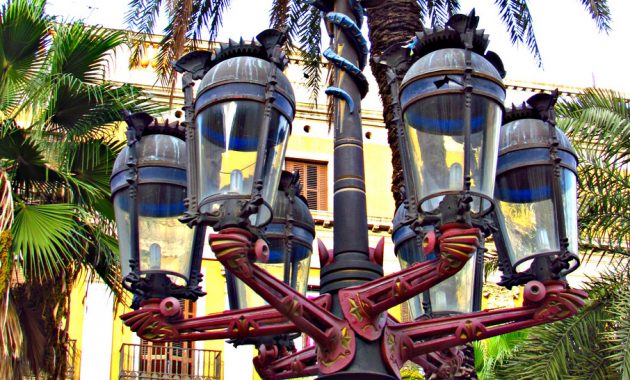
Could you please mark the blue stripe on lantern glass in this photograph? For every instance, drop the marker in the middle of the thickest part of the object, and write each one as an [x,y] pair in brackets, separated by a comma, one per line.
[161,210]
[523,195]
[157,209]
[443,126]
[277,245]
[241,144]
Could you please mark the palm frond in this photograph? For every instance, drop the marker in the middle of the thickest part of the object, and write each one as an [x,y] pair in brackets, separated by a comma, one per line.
[23,38]
[47,237]
[600,12]
[31,175]
[518,21]
[617,337]
[279,14]
[560,350]
[83,109]
[82,51]
[142,14]
[439,11]
[489,353]
[304,26]
[598,122]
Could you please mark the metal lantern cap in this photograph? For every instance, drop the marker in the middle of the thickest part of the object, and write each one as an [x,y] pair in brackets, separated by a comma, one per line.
[524,130]
[233,79]
[161,146]
[439,64]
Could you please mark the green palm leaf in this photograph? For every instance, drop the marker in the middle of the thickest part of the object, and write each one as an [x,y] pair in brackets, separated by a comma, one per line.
[599,123]
[82,51]
[48,237]
[30,173]
[23,36]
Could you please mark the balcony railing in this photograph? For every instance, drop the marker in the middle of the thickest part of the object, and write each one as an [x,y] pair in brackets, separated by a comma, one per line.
[168,362]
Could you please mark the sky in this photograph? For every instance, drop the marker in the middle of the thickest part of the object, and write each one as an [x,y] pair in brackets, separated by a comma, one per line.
[572,49]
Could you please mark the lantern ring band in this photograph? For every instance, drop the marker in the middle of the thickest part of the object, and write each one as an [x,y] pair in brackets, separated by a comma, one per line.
[572,257]
[479,214]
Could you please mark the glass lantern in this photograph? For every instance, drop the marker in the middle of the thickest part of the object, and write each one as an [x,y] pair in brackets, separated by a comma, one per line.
[148,186]
[452,108]
[536,193]
[290,238]
[460,293]
[239,147]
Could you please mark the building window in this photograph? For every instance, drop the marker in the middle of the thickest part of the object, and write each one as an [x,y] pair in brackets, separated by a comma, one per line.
[314,181]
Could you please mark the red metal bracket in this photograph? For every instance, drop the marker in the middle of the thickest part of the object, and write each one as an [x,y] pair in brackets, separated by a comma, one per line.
[160,320]
[544,303]
[334,338]
[274,363]
[441,364]
[364,305]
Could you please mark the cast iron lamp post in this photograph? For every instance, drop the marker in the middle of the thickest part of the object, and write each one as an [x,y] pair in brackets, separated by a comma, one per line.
[236,132]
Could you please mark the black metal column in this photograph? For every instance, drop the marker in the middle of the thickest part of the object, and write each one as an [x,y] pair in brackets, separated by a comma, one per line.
[351,265]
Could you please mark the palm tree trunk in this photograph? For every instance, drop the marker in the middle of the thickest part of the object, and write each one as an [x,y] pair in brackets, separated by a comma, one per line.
[394,21]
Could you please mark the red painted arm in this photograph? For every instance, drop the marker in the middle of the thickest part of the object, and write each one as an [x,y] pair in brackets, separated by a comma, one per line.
[272,364]
[161,320]
[333,336]
[364,305]
[543,304]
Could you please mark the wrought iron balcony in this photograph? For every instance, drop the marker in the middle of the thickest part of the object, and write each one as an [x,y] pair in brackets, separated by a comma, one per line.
[168,361]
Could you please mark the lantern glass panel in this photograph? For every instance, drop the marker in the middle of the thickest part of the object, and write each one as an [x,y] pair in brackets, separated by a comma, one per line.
[228,136]
[451,296]
[527,211]
[293,270]
[123,227]
[569,205]
[164,242]
[435,131]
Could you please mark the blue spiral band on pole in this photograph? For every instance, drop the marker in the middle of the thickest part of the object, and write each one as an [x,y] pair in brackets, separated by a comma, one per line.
[355,73]
[341,94]
[354,34]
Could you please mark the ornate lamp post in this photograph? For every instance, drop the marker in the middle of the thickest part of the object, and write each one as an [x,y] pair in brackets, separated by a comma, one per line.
[236,131]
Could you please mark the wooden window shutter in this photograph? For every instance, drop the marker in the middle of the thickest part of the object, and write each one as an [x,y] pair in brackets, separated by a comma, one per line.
[314,181]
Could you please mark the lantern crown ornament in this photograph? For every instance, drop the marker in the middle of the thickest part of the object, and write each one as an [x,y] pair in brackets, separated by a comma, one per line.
[536,190]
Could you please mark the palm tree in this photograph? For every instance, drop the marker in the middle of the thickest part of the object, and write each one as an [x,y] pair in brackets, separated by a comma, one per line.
[56,148]
[593,344]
